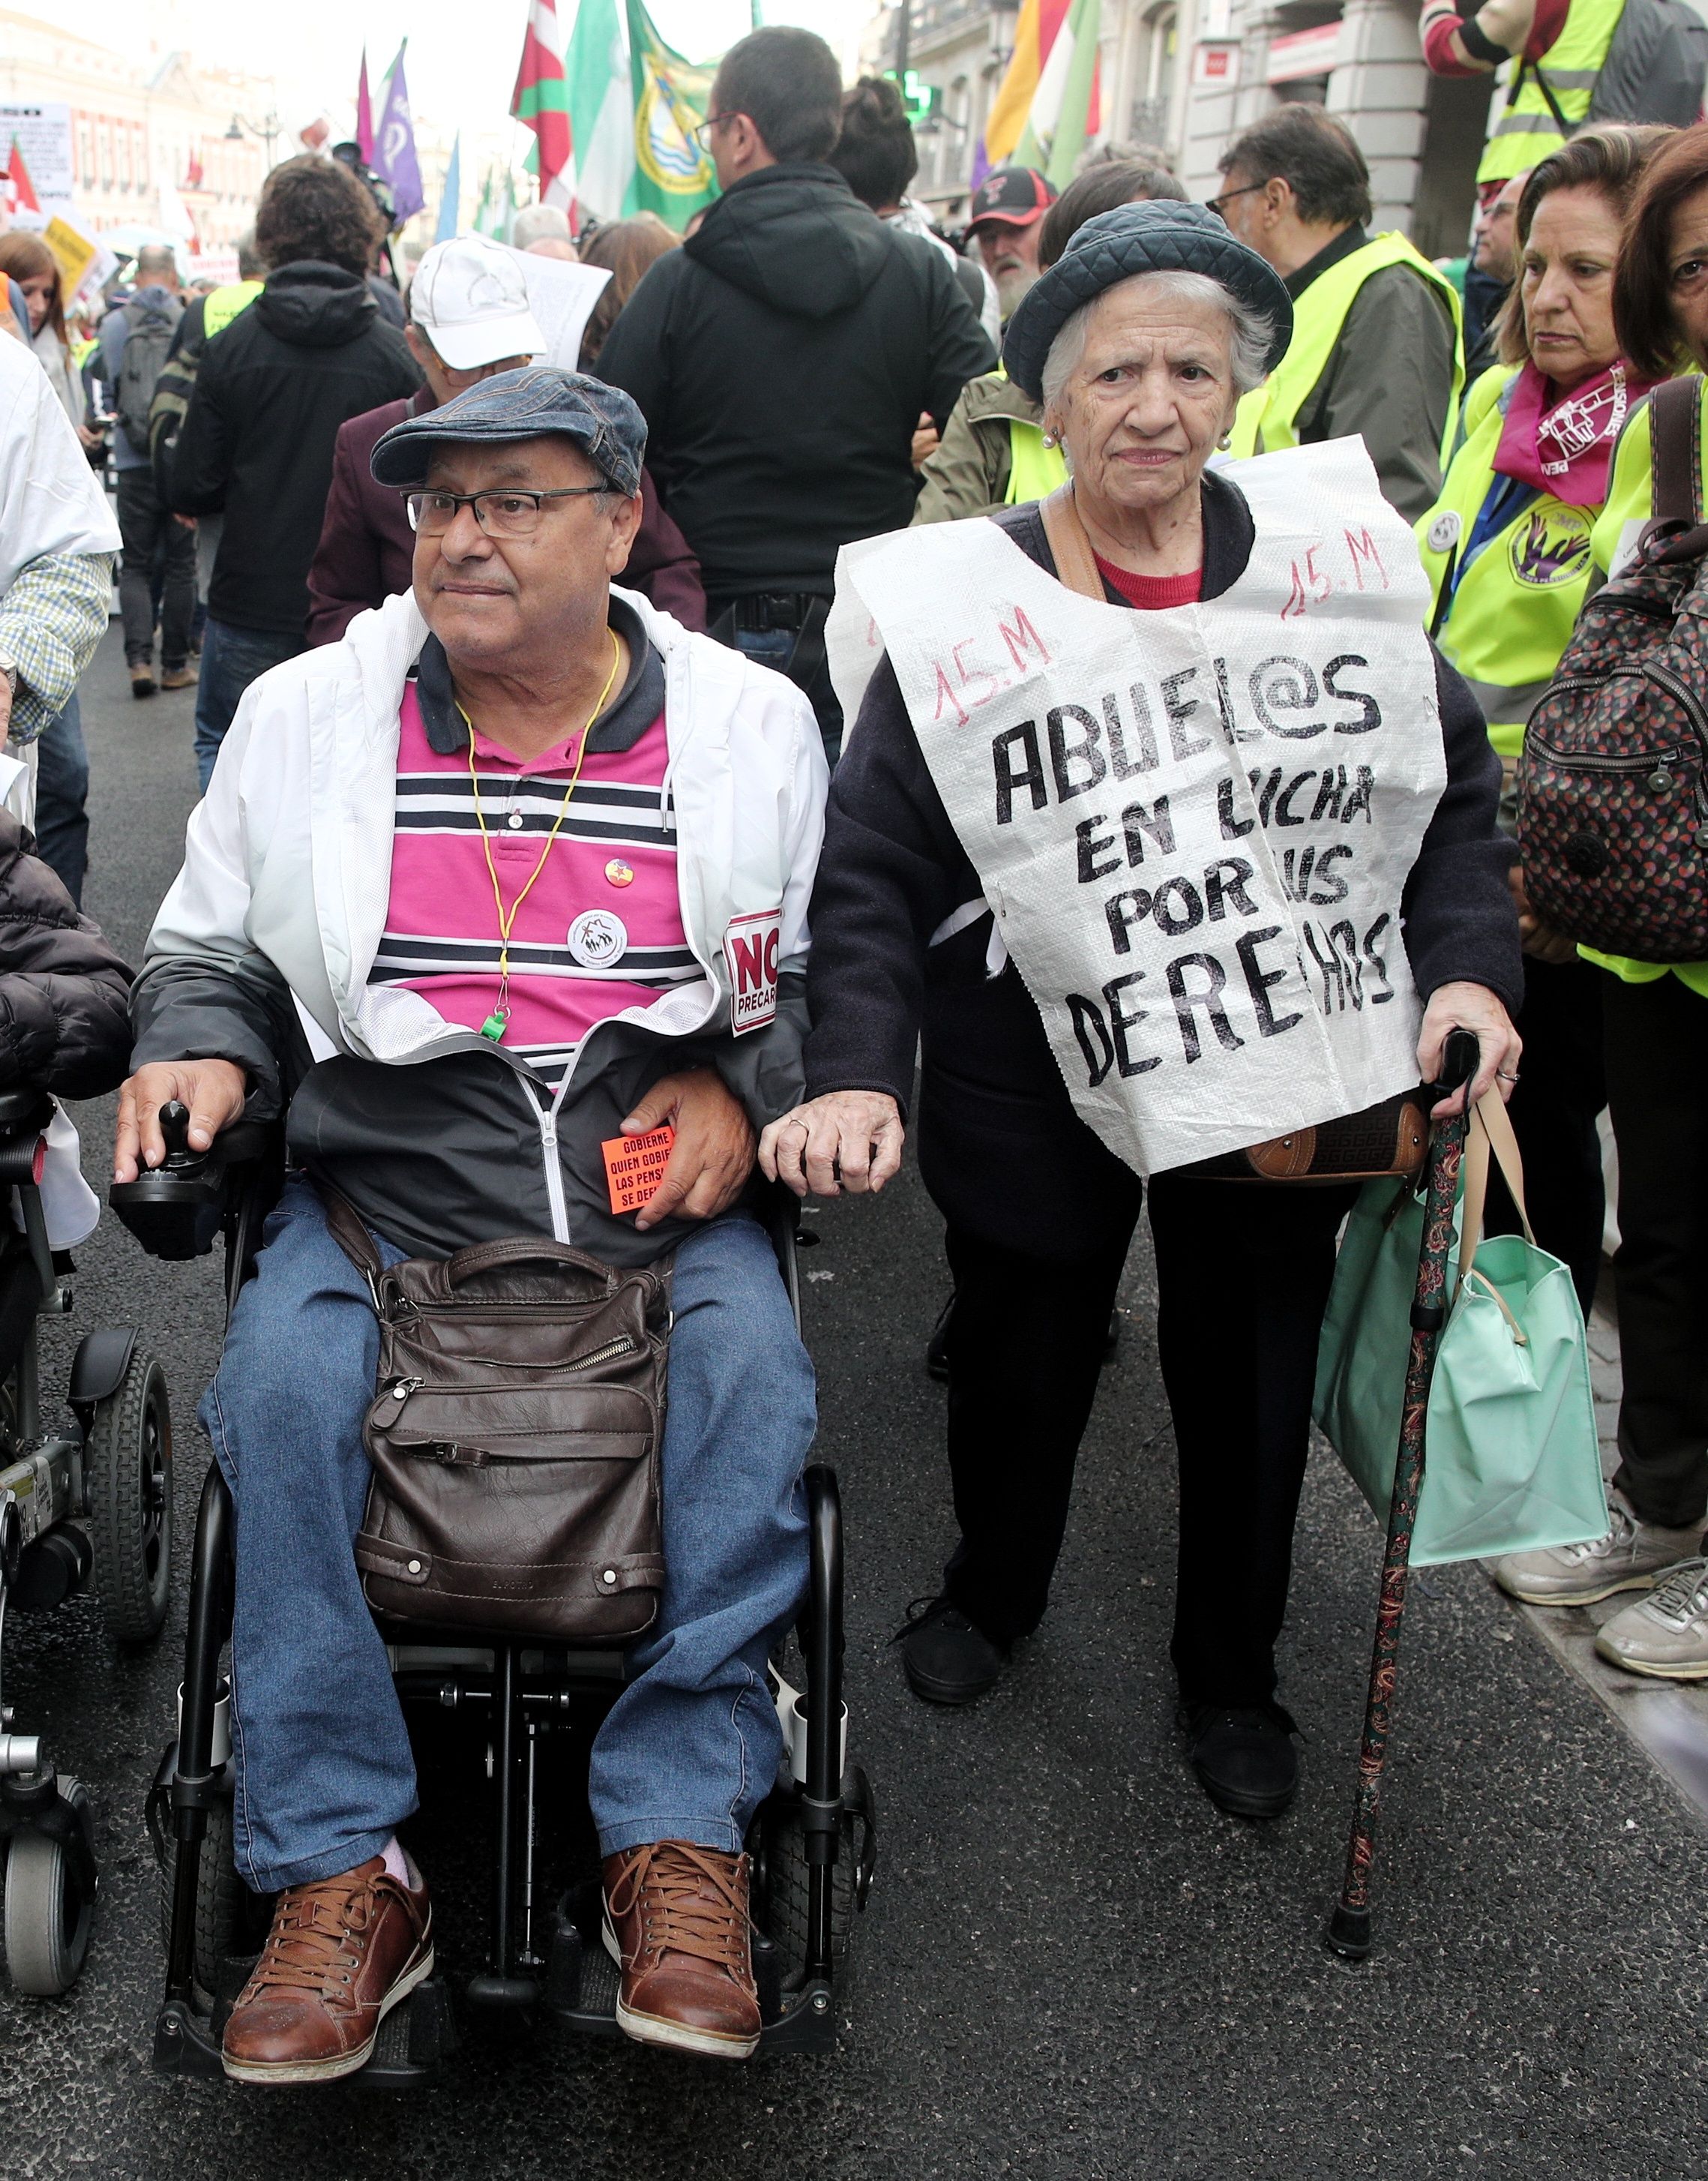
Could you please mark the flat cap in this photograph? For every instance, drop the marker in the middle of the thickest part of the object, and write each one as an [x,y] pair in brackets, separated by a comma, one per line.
[1158,235]
[522,405]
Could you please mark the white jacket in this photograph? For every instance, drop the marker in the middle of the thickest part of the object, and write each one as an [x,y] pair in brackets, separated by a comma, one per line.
[288,857]
[289,854]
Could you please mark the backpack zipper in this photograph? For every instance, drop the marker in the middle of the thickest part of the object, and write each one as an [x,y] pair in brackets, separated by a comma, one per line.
[1589,761]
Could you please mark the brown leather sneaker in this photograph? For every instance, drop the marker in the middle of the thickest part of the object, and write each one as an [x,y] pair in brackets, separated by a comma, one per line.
[676,1926]
[142,679]
[178,677]
[341,1954]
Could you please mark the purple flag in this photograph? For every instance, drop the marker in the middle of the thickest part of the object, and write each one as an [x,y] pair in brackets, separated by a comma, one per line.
[393,149]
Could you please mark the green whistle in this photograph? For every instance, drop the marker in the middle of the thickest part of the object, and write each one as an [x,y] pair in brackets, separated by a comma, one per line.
[495,1025]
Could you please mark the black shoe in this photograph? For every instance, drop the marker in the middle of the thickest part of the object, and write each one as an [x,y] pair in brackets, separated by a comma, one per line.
[936,1348]
[1243,1756]
[946,1660]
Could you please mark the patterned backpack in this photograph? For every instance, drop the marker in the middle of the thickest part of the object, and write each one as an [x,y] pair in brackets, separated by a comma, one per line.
[1613,778]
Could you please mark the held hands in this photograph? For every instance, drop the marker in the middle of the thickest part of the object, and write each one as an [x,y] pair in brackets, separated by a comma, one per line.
[1476,1008]
[213,1091]
[847,1139]
[712,1155]
[1538,939]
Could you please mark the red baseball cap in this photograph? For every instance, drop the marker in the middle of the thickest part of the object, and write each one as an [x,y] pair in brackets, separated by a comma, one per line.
[1013,196]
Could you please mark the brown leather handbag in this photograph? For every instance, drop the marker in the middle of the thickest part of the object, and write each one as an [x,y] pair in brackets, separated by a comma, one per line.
[1384,1140]
[514,1434]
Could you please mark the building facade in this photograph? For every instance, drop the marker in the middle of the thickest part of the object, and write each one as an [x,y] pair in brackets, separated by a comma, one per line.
[136,128]
[1184,77]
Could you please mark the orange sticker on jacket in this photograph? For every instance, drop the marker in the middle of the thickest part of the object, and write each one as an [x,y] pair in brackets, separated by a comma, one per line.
[634,1166]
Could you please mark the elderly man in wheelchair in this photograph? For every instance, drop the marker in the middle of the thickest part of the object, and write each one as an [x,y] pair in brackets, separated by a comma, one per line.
[516,871]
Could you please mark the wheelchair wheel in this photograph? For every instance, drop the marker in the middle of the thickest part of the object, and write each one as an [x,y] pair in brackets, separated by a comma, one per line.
[222,1900]
[47,1911]
[127,1478]
[783,1850]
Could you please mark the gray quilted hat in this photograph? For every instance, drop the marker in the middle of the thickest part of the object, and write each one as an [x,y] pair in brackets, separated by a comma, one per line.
[1159,235]
[522,405]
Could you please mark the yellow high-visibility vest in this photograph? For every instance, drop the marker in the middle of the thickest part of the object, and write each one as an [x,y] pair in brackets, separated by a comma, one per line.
[1526,131]
[1267,418]
[1516,603]
[224,304]
[1035,471]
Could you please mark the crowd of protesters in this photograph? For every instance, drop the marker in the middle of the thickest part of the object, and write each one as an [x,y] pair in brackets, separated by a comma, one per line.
[815,365]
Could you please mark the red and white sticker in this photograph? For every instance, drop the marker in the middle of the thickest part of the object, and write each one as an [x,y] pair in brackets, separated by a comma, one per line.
[750,947]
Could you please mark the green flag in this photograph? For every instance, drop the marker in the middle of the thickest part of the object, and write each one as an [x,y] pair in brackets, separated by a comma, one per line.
[673,174]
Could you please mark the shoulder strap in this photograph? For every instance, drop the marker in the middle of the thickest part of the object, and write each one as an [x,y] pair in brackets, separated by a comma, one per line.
[1675,450]
[344,1224]
[1076,564]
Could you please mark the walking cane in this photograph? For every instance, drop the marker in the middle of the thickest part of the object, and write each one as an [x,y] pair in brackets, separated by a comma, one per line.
[1349,1932]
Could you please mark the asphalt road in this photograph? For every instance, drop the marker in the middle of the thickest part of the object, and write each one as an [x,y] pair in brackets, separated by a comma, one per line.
[1072,1965]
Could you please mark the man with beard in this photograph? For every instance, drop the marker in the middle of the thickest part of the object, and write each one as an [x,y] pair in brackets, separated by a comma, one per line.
[1007,214]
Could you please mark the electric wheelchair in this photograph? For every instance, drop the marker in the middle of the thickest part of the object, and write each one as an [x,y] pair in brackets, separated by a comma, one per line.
[92,1507]
[814,1843]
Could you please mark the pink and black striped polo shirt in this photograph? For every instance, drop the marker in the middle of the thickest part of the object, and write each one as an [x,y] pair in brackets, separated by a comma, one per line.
[601,929]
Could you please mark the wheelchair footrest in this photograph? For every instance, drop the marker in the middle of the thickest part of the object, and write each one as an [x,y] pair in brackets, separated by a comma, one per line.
[413,2039]
[580,1993]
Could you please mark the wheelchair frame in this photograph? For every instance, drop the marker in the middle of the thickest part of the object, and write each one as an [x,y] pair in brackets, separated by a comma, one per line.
[49,1484]
[551,1964]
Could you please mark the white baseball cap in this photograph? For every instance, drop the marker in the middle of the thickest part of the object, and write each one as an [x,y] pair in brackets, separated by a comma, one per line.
[470,299]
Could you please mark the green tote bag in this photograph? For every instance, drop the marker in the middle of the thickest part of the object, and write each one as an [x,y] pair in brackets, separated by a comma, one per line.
[1510,1460]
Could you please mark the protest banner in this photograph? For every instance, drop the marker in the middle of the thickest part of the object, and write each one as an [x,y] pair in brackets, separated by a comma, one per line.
[41,130]
[1194,827]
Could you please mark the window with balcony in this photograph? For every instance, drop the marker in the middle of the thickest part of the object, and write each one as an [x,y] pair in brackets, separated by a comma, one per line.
[1155,99]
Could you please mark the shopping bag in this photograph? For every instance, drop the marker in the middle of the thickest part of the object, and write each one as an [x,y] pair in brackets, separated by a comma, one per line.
[1511,1461]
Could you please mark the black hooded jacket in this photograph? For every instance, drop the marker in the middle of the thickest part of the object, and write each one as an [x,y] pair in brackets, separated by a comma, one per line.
[782,358]
[310,352]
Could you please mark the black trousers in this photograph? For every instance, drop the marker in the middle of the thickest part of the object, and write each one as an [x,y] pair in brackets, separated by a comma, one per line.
[1658,1088]
[1244,1271]
[1560,1089]
[151,531]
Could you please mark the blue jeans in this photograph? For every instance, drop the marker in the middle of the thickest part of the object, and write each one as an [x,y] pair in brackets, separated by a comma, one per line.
[691,1746]
[231,659]
[62,797]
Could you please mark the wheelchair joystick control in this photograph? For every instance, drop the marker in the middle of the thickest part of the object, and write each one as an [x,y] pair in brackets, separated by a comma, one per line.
[174,1127]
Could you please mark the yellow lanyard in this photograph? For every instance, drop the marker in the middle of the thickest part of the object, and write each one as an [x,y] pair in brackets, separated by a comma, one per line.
[498,1021]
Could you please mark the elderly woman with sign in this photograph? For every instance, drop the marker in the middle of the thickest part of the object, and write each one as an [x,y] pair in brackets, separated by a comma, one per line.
[1166,831]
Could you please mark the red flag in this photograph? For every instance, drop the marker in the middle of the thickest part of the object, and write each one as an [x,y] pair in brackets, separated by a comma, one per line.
[21,190]
[542,100]
[364,115]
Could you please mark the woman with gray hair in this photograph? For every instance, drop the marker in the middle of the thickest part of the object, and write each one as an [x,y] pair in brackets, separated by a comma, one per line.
[1137,882]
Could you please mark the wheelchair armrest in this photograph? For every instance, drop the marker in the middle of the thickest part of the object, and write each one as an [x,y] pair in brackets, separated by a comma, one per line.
[176,1209]
[24,1108]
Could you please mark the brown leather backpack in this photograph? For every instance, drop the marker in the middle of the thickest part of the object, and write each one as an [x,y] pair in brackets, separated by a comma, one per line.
[514,1434]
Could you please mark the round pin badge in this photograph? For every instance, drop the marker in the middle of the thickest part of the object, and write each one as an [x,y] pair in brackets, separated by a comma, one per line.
[597,938]
[620,873]
[1443,531]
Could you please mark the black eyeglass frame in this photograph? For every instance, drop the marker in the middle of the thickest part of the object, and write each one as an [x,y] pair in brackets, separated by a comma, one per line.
[411,494]
[702,130]
[1227,196]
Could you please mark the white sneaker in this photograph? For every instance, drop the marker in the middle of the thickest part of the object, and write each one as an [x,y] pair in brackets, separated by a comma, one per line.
[1632,1555]
[1666,1633]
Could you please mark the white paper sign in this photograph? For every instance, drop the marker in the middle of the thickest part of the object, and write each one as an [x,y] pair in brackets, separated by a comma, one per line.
[43,131]
[1194,825]
[561,297]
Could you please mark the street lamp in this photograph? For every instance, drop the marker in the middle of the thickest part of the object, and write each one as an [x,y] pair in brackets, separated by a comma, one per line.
[266,128]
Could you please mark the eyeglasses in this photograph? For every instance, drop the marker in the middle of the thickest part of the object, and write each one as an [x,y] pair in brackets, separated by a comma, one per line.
[505,514]
[1227,196]
[701,131]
